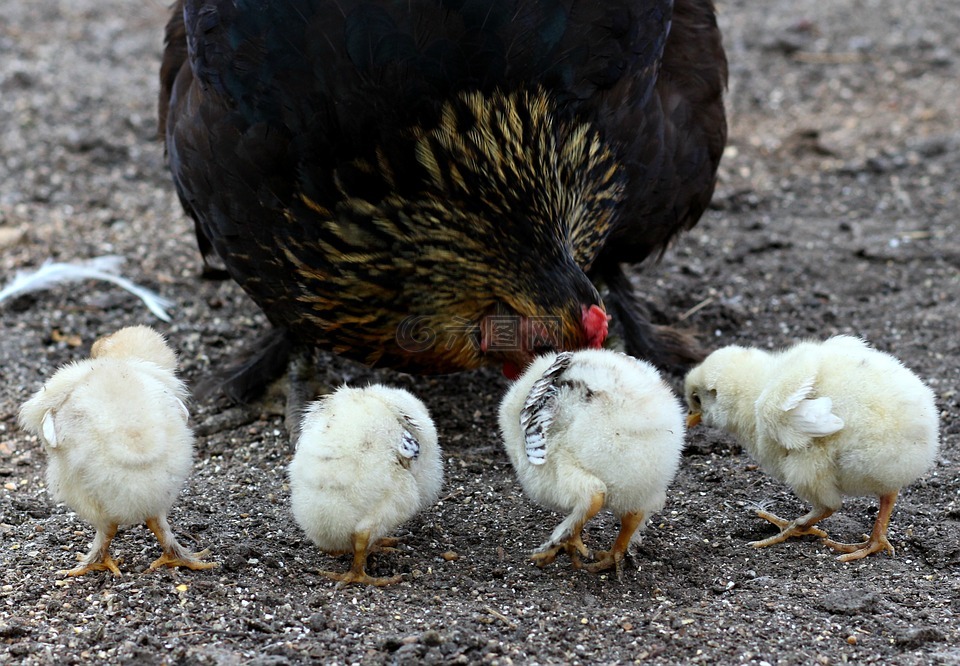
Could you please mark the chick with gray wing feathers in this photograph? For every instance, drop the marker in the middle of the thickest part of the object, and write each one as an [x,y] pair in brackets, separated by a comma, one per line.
[590,430]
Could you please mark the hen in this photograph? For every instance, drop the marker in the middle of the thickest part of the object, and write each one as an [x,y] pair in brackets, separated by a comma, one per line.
[436,185]
[366,461]
[589,430]
[830,419]
[115,429]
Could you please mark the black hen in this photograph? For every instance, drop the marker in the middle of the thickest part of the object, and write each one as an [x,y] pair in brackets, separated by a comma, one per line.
[434,185]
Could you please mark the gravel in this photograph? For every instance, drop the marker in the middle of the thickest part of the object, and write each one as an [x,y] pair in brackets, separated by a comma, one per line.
[835,213]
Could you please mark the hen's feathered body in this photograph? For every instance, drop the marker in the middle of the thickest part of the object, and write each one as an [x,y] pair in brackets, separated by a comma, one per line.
[388,179]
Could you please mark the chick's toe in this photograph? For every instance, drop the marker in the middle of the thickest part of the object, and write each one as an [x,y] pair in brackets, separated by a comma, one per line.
[607,559]
[876,542]
[802,526]
[182,558]
[107,563]
[175,555]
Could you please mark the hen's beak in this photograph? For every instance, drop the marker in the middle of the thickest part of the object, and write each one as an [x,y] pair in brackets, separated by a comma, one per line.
[693,419]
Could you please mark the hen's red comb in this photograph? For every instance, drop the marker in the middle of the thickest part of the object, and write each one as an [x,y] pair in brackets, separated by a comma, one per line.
[595,325]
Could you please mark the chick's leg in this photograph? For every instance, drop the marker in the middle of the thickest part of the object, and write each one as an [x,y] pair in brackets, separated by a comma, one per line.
[878,538]
[358,573]
[802,526]
[174,555]
[98,558]
[573,543]
[612,558]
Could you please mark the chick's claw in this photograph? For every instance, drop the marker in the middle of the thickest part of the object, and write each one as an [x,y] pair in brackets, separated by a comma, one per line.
[105,564]
[802,526]
[856,551]
[573,546]
[192,561]
[360,578]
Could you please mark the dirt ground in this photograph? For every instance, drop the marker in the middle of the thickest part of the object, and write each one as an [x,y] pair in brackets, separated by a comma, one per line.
[835,213]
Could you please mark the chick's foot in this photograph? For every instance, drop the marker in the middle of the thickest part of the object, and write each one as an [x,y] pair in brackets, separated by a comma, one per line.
[386,545]
[877,540]
[360,578]
[802,526]
[574,547]
[612,558]
[856,551]
[181,558]
[105,564]
[357,573]
[174,555]
[98,558]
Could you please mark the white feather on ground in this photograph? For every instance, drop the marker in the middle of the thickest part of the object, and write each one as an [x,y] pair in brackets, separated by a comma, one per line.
[52,274]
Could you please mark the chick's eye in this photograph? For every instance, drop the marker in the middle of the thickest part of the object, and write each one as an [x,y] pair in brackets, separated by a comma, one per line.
[694,400]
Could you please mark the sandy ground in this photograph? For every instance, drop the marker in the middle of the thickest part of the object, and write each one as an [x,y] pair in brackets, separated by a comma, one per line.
[836,213]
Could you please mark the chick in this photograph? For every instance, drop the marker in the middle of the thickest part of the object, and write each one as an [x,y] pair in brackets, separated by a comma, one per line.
[829,419]
[367,460]
[115,429]
[587,430]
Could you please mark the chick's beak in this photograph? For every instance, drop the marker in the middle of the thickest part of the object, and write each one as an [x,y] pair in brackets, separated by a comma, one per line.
[693,419]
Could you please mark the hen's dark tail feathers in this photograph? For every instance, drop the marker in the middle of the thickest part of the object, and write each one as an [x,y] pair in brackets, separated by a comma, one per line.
[252,371]
[668,348]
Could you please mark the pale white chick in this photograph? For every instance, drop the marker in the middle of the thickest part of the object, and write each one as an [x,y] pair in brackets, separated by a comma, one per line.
[587,430]
[114,427]
[829,419]
[367,460]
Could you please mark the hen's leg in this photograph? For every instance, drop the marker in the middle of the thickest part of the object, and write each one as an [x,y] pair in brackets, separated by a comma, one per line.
[98,558]
[568,535]
[357,573]
[802,526]
[174,555]
[878,538]
[612,558]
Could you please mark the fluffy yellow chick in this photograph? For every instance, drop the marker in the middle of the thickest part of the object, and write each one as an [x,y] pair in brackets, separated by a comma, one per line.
[367,460]
[115,429]
[829,419]
[587,430]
